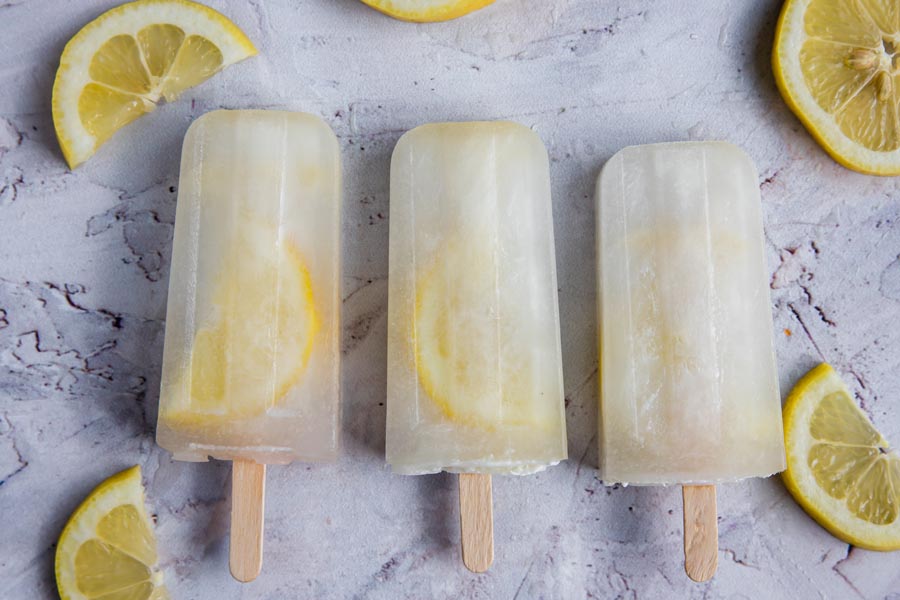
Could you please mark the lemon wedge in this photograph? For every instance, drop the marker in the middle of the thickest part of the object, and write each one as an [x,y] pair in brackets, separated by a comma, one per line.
[839,468]
[836,64]
[470,355]
[127,60]
[427,11]
[258,342]
[107,550]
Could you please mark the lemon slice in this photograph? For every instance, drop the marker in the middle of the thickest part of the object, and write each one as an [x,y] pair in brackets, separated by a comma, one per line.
[260,337]
[839,468]
[107,550]
[426,11]
[471,357]
[836,64]
[127,60]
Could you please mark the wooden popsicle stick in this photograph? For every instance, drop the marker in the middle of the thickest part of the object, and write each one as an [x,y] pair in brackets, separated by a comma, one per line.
[248,500]
[476,521]
[701,531]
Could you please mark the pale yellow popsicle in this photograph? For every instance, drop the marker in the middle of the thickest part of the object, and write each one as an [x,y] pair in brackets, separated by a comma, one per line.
[688,383]
[251,361]
[474,360]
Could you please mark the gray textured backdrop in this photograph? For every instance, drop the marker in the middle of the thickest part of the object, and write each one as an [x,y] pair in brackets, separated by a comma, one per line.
[84,262]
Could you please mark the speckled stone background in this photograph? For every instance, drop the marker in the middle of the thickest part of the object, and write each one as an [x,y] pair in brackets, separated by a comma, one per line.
[84,263]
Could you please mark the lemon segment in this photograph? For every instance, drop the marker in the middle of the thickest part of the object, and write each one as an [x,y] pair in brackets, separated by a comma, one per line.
[257,343]
[837,64]
[470,361]
[107,550]
[839,467]
[427,11]
[129,59]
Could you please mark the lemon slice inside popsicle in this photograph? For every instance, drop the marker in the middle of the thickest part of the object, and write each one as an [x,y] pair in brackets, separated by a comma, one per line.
[257,344]
[471,358]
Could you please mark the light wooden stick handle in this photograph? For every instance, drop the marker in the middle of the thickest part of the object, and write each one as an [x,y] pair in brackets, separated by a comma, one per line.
[476,521]
[701,531]
[248,499]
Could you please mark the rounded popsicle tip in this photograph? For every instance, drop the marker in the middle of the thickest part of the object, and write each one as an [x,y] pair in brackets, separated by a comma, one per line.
[717,155]
[228,118]
[196,130]
[725,151]
[729,154]
[459,131]
[245,132]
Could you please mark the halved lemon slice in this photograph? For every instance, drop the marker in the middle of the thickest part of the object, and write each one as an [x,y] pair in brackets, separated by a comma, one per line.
[839,468]
[124,62]
[107,550]
[471,356]
[258,341]
[836,64]
[426,11]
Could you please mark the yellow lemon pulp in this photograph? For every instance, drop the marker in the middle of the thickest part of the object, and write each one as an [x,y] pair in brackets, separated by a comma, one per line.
[107,549]
[119,66]
[425,11]
[470,361]
[258,341]
[839,467]
[836,64]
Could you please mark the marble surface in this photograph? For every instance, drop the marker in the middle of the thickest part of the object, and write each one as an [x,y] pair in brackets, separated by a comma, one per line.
[84,263]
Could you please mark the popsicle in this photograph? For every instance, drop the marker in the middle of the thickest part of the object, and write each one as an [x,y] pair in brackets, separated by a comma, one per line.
[474,362]
[688,386]
[251,359]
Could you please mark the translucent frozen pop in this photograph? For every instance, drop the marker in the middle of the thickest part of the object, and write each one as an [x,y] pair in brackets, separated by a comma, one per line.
[689,389]
[688,385]
[474,361]
[250,366]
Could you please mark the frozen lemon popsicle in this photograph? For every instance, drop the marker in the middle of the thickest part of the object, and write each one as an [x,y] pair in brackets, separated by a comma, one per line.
[688,387]
[474,362]
[250,368]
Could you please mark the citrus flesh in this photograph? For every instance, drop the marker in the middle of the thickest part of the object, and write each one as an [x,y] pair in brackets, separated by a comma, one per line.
[125,62]
[425,11]
[837,64]
[840,469]
[107,549]
[470,355]
[257,343]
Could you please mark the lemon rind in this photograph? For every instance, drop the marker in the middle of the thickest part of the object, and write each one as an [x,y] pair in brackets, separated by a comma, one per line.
[122,488]
[830,513]
[184,418]
[819,123]
[451,10]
